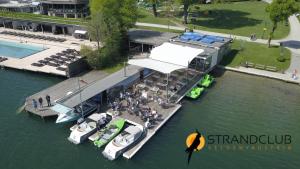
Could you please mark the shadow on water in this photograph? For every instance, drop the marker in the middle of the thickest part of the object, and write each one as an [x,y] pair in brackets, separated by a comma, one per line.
[225,19]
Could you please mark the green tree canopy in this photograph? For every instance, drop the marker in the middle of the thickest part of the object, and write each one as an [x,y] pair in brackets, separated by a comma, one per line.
[280,10]
[186,4]
[110,21]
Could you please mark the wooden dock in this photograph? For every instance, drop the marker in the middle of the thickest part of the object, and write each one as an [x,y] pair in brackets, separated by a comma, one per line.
[166,115]
[60,90]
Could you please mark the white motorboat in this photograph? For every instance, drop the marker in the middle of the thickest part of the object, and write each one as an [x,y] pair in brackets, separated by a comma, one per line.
[130,136]
[68,114]
[80,132]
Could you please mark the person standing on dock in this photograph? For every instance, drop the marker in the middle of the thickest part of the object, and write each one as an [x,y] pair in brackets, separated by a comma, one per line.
[34,103]
[41,102]
[48,100]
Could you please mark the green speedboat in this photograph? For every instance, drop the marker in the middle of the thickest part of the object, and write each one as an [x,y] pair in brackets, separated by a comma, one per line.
[195,92]
[206,81]
[107,134]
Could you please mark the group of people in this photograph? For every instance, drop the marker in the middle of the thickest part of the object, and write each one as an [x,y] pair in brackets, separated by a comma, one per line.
[136,104]
[253,37]
[40,102]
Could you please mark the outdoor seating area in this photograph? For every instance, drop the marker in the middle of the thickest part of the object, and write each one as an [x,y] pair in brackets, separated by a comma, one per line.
[33,36]
[2,59]
[59,60]
[147,98]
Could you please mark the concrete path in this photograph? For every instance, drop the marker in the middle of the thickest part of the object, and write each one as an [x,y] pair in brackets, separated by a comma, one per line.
[263,73]
[292,42]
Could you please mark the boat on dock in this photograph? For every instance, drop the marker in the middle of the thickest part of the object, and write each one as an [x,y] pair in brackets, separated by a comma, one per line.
[123,142]
[206,81]
[103,136]
[80,132]
[195,92]
[76,113]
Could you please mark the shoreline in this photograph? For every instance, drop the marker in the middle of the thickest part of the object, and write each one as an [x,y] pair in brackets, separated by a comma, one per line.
[262,73]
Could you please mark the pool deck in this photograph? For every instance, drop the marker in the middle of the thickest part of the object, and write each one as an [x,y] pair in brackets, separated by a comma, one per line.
[51,49]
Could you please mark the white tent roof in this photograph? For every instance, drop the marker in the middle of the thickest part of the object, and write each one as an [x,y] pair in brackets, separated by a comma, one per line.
[155,65]
[83,32]
[175,54]
[168,58]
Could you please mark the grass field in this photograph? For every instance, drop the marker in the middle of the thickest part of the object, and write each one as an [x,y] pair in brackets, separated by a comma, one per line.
[243,51]
[147,17]
[239,18]
[41,18]
[159,29]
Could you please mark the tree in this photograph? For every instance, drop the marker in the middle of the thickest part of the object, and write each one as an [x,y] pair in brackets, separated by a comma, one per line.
[110,21]
[154,6]
[186,4]
[279,11]
[94,27]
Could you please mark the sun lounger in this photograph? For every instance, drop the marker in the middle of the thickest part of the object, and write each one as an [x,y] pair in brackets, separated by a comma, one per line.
[54,56]
[37,64]
[43,61]
[61,68]
[52,64]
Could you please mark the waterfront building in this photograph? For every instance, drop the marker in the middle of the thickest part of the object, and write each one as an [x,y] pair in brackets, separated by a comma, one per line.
[19,6]
[65,8]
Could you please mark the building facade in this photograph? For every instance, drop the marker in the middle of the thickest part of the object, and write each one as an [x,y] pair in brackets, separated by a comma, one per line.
[65,8]
[18,6]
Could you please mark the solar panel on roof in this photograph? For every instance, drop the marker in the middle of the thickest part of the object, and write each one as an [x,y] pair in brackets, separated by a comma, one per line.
[207,41]
[184,38]
[196,38]
[215,38]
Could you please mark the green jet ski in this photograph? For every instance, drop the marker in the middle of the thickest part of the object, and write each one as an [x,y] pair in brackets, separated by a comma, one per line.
[206,81]
[107,134]
[195,92]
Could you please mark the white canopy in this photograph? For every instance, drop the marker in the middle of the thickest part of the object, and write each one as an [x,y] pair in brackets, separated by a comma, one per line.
[163,67]
[83,32]
[175,54]
[168,57]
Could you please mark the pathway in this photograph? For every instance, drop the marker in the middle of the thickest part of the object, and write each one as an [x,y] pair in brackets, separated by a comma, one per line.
[292,42]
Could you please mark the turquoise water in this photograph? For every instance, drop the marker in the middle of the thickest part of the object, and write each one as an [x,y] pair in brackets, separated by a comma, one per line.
[236,104]
[18,50]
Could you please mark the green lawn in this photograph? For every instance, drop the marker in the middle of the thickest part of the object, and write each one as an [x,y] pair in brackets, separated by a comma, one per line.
[147,17]
[239,18]
[242,51]
[36,17]
[298,12]
[159,29]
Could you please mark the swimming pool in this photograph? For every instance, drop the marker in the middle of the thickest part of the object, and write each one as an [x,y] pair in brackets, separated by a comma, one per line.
[18,50]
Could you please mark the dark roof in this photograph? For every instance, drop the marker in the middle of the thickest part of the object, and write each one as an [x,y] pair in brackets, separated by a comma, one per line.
[150,37]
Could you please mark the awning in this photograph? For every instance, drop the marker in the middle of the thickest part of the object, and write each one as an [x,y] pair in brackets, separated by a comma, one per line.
[159,66]
[175,54]
[82,32]
[61,108]
[35,3]
[168,58]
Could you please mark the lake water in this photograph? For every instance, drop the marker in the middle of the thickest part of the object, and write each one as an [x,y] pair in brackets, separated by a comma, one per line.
[236,104]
